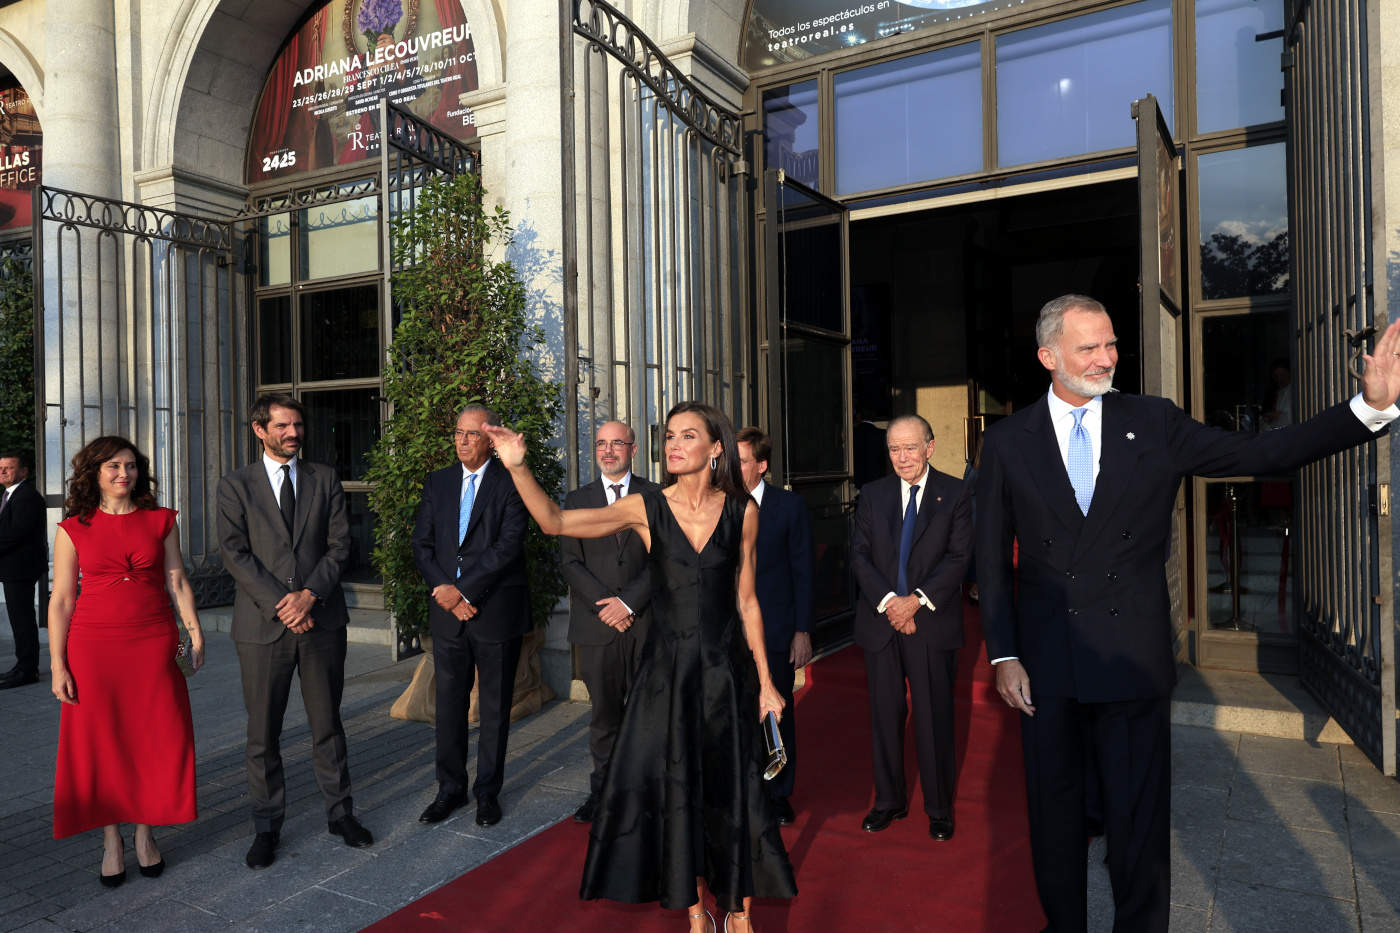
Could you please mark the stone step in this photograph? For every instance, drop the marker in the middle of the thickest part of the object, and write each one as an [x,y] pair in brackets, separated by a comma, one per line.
[364,595]
[367,626]
[1255,704]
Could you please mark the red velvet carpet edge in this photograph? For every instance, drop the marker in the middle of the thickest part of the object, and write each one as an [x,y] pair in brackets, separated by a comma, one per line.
[899,880]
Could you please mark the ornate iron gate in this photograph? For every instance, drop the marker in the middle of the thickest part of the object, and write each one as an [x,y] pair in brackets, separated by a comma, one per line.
[1348,628]
[656,292]
[139,313]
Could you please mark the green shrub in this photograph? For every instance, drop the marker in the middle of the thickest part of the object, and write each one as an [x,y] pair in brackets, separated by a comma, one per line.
[16,355]
[464,336]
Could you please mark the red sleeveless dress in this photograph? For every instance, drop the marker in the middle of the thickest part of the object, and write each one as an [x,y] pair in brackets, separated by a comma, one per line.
[126,748]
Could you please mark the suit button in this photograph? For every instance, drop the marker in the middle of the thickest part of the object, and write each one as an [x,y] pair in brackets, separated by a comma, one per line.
[1127,535]
[1070,574]
[1074,612]
[1049,541]
[1112,576]
[1113,612]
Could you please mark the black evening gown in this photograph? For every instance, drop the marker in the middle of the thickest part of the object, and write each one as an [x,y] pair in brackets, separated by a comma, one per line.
[684,796]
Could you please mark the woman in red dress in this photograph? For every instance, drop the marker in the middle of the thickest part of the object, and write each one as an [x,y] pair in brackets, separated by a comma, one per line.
[125,740]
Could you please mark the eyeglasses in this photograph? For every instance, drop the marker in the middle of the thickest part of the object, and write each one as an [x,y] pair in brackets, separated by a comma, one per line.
[910,449]
[615,445]
[463,435]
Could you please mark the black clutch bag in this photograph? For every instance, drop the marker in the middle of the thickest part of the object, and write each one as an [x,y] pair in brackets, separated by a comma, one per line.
[773,742]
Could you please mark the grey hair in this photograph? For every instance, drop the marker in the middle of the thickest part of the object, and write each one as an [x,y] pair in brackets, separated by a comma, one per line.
[476,408]
[1051,323]
[912,419]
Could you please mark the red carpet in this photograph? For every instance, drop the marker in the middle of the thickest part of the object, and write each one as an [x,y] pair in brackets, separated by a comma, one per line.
[899,880]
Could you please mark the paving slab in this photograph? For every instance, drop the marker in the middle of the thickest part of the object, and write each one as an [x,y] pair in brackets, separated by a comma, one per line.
[1300,802]
[1245,908]
[1290,758]
[1300,860]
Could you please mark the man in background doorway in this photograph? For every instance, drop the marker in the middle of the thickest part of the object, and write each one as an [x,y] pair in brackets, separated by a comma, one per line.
[909,549]
[609,594]
[783,581]
[24,560]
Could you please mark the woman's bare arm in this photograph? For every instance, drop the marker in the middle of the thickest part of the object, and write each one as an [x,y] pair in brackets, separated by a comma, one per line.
[61,601]
[178,583]
[769,700]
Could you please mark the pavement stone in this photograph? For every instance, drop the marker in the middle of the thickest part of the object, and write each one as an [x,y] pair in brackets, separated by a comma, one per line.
[1267,834]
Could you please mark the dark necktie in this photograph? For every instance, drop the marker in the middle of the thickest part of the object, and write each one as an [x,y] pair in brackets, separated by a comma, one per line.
[5,500]
[287,499]
[906,539]
[620,536]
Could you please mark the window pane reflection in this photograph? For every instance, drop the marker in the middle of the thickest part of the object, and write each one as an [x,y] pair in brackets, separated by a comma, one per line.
[361,567]
[275,249]
[1238,79]
[340,333]
[339,239]
[816,405]
[1248,543]
[809,255]
[1064,88]
[1244,222]
[275,339]
[790,131]
[909,120]
[1246,371]
[833,592]
[342,425]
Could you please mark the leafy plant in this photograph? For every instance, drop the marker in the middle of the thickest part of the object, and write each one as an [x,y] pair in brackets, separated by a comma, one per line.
[463,337]
[16,354]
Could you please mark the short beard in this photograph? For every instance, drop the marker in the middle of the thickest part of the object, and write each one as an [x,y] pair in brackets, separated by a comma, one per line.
[1082,387]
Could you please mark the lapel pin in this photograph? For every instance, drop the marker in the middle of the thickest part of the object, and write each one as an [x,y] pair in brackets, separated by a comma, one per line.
[1132,436]
[937,498]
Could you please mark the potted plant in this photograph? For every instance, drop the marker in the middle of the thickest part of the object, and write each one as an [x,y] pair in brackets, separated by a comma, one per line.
[463,336]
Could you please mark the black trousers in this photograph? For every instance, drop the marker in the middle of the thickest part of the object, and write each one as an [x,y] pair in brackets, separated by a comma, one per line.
[930,674]
[1132,743]
[608,671]
[784,676]
[455,655]
[318,658]
[19,604]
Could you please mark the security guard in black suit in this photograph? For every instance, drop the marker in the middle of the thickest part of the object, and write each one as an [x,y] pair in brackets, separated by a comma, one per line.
[24,560]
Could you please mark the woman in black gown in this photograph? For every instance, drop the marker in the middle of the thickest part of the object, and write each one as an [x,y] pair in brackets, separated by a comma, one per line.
[682,808]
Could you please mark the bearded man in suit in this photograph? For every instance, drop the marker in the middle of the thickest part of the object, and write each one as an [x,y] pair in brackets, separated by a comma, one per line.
[24,560]
[909,549]
[1085,481]
[469,545]
[609,594]
[783,584]
[285,538]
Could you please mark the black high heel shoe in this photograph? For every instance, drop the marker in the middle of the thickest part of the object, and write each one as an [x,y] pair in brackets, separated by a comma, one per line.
[112,881]
[149,871]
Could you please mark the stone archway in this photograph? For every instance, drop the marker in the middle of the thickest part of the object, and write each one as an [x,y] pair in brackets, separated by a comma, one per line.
[15,56]
[204,90]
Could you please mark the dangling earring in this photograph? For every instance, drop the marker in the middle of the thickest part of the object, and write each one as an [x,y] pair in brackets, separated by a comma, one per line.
[714,463]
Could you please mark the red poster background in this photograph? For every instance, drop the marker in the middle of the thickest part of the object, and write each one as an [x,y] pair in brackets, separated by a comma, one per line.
[21,151]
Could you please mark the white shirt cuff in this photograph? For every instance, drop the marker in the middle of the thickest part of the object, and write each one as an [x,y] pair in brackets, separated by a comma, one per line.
[625,606]
[880,607]
[1009,657]
[1373,419]
[925,600]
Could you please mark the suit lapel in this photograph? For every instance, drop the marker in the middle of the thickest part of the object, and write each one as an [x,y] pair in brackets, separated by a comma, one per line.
[1043,460]
[927,506]
[305,475]
[1120,451]
[262,492]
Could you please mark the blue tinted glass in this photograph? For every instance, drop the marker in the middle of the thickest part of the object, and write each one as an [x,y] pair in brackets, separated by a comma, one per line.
[1238,79]
[1244,222]
[911,119]
[790,131]
[1065,88]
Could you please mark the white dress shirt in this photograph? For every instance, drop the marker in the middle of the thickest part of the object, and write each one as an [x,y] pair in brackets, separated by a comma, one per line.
[625,482]
[904,488]
[757,493]
[274,476]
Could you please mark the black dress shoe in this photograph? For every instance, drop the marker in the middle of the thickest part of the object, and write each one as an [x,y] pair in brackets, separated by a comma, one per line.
[940,828]
[878,819]
[263,851]
[349,829]
[488,811]
[587,810]
[21,679]
[441,807]
[783,811]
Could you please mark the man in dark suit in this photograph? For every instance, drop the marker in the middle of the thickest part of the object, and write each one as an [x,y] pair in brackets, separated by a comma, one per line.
[609,592]
[1085,481]
[24,559]
[285,538]
[909,549]
[469,545]
[783,582]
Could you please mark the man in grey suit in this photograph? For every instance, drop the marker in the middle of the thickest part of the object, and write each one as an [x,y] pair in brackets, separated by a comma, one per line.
[285,538]
[609,591]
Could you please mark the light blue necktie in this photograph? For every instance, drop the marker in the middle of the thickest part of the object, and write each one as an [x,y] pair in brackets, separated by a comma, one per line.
[906,539]
[464,511]
[1081,461]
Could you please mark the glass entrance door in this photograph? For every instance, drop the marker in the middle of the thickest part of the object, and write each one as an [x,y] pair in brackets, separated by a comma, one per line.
[805,352]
